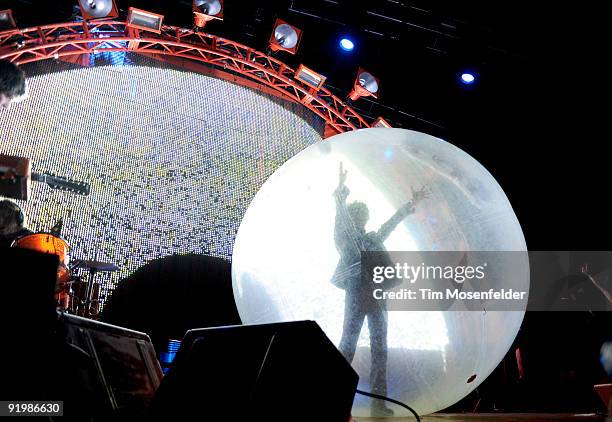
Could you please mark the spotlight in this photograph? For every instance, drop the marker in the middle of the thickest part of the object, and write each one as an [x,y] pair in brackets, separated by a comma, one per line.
[98,9]
[309,77]
[147,21]
[365,85]
[346,44]
[6,20]
[206,10]
[285,37]
[166,358]
[380,122]
[468,78]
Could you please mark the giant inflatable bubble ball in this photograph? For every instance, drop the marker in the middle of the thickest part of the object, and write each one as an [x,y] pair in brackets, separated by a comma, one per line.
[288,249]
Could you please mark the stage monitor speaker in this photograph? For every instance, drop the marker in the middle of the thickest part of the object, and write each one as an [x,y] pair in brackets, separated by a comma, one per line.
[109,372]
[100,372]
[274,372]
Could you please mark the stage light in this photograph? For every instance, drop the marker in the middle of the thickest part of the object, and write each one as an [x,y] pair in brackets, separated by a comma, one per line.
[285,37]
[309,77]
[6,20]
[147,21]
[346,44]
[365,85]
[166,358]
[206,10]
[380,122]
[468,78]
[98,9]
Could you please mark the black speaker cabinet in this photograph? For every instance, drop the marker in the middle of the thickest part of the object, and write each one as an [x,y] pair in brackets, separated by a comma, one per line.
[273,372]
[110,372]
[101,372]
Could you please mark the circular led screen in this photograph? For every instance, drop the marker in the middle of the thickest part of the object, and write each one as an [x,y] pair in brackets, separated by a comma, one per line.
[173,157]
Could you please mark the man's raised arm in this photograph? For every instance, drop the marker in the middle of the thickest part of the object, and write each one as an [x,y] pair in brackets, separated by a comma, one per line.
[402,212]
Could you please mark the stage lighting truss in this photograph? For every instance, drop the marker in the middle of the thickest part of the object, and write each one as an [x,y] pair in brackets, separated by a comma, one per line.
[143,20]
[98,9]
[74,39]
[380,122]
[365,85]
[6,20]
[205,11]
[285,37]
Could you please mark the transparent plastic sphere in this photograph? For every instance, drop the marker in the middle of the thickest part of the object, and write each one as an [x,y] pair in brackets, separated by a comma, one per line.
[286,255]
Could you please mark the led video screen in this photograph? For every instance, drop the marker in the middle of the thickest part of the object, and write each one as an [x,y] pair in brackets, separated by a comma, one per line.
[173,157]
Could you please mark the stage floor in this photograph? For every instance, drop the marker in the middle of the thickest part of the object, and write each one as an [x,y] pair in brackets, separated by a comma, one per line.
[496,417]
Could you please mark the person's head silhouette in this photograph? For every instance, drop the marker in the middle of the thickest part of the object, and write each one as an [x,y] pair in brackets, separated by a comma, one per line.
[12,218]
[359,213]
[13,84]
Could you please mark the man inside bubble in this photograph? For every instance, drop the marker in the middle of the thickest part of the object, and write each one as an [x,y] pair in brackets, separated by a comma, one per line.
[351,238]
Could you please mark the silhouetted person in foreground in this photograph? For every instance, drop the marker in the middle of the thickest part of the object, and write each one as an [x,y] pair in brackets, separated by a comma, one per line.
[12,223]
[170,295]
[13,84]
[351,238]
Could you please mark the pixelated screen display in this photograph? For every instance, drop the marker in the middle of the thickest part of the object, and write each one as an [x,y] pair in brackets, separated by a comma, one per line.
[173,157]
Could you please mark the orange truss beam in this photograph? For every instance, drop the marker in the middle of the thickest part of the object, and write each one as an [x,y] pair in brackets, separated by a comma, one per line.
[76,38]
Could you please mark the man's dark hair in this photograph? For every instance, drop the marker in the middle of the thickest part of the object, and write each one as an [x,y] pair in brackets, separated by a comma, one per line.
[11,218]
[12,80]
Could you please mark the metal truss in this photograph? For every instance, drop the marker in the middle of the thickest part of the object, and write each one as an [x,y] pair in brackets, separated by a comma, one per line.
[78,38]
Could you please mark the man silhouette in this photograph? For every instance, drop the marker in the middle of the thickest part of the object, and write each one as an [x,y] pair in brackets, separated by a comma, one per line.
[12,223]
[351,238]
